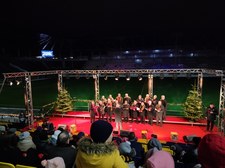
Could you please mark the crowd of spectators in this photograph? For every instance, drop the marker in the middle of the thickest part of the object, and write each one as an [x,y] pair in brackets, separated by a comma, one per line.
[103,147]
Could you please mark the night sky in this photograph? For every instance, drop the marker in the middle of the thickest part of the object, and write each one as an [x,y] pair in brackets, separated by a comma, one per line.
[113,25]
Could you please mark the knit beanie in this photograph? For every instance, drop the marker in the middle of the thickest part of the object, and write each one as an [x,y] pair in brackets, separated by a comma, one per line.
[100,131]
[56,162]
[160,159]
[211,151]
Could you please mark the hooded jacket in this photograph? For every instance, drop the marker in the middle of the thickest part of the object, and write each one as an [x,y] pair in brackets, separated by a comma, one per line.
[98,155]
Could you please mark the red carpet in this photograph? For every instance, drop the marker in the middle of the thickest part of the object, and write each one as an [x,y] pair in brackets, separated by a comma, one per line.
[82,121]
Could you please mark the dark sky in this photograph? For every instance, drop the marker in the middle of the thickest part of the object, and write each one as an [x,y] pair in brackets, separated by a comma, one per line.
[114,24]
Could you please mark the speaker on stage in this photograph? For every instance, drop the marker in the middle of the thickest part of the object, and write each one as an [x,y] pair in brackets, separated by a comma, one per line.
[124,133]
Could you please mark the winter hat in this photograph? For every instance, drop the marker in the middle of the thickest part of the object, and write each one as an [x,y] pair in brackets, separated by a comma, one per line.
[24,135]
[80,135]
[56,133]
[124,147]
[161,159]
[100,131]
[211,151]
[56,162]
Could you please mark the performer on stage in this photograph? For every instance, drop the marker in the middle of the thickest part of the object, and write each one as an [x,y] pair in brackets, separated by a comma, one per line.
[118,119]
[111,98]
[104,100]
[164,103]
[134,112]
[126,108]
[109,110]
[211,113]
[92,110]
[139,100]
[159,112]
[142,112]
[119,98]
[127,98]
[150,112]
[147,98]
[101,110]
[154,100]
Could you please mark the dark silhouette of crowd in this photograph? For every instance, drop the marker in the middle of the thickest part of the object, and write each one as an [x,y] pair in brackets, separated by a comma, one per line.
[104,147]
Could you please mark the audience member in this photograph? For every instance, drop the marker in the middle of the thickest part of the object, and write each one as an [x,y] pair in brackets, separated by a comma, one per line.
[56,162]
[54,137]
[211,151]
[76,138]
[139,157]
[63,149]
[99,150]
[160,159]
[25,142]
[154,142]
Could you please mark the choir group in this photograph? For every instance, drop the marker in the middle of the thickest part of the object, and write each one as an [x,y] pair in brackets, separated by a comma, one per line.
[124,109]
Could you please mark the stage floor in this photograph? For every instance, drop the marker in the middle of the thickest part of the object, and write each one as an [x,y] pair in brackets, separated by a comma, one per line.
[82,122]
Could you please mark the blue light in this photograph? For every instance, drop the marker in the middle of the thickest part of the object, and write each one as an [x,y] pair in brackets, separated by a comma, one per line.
[47,54]
[156,51]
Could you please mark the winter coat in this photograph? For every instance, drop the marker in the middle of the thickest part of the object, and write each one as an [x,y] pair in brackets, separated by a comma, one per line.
[101,155]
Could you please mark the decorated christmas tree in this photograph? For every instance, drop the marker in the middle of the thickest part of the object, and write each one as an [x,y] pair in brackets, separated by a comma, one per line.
[193,105]
[64,102]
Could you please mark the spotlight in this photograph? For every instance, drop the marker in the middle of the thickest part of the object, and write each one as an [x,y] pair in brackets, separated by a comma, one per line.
[117,77]
[17,82]
[128,77]
[10,83]
[139,77]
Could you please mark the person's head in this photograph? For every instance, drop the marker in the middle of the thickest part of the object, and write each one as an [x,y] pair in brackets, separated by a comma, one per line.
[211,105]
[155,97]
[63,138]
[159,102]
[126,94]
[160,159]
[163,97]
[131,136]
[101,132]
[211,151]
[149,102]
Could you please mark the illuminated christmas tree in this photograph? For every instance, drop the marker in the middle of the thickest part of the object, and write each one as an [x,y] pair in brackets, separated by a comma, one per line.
[64,102]
[193,105]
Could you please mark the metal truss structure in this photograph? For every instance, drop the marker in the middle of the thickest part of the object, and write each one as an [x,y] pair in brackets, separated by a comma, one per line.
[222,99]
[96,74]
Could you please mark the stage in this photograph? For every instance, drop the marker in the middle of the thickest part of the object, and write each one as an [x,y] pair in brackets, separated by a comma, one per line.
[172,124]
